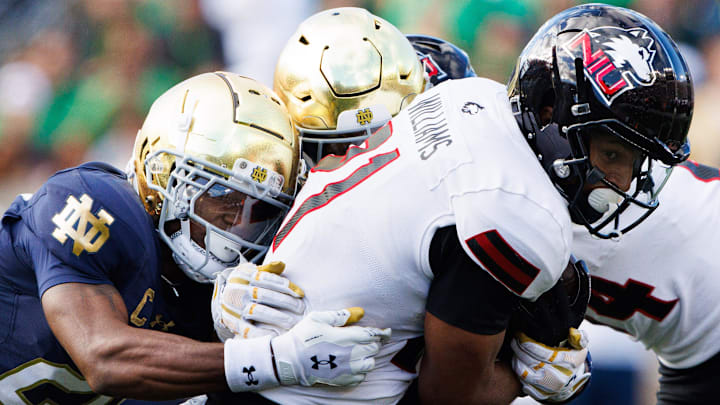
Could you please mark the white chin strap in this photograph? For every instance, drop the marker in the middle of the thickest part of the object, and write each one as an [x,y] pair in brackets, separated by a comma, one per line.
[218,259]
[604,199]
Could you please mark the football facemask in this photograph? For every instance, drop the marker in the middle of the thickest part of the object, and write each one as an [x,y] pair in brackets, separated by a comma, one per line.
[216,162]
[601,207]
[225,218]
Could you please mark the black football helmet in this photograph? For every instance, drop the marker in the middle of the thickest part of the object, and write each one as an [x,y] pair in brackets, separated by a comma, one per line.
[441,59]
[594,69]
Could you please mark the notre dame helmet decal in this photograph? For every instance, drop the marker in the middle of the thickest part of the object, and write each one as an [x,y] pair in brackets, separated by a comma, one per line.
[599,68]
[216,163]
[344,73]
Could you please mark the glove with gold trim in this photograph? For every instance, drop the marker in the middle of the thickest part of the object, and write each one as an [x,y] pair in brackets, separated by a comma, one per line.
[320,349]
[552,374]
[250,301]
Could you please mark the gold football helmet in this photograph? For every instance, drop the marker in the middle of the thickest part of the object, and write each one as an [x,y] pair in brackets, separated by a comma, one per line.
[343,74]
[216,163]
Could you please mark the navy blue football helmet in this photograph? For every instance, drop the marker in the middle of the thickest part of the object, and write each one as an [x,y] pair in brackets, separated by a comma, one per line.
[441,59]
[594,69]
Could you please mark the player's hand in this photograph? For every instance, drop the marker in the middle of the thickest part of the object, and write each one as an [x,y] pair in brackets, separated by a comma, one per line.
[552,374]
[321,349]
[251,301]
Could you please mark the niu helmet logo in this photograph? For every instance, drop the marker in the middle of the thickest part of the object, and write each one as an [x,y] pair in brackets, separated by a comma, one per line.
[364,117]
[329,362]
[72,222]
[615,59]
[433,70]
[250,377]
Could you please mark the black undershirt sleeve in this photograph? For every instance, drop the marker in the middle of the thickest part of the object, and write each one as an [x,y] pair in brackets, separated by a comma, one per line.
[462,293]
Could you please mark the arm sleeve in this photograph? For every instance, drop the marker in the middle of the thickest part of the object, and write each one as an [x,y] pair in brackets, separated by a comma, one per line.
[86,225]
[462,293]
[51,271]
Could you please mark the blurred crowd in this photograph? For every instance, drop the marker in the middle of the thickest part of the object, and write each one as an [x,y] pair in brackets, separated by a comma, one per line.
[78,76]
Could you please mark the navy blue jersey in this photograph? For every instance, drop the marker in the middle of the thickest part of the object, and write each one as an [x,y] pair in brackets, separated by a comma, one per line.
[84,225]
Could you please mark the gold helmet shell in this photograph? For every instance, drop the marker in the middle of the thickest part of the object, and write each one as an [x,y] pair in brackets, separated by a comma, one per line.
[345,59]
[216,161]
[218,117]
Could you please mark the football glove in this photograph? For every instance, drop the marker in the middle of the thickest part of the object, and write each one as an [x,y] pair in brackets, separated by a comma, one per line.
[552,374]
[316,350]
[548,318]
[251,301]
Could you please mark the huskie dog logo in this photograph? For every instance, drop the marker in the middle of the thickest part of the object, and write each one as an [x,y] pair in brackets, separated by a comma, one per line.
[615,59]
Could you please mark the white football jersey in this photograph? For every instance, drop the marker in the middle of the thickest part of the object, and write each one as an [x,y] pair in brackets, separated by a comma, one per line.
[360,230]
[660,282]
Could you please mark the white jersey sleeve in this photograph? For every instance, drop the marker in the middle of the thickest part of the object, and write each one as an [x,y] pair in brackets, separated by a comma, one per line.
[509,217]
[513,239]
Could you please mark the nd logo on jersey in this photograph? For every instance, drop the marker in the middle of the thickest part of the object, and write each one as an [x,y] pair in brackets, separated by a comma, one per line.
[73,221]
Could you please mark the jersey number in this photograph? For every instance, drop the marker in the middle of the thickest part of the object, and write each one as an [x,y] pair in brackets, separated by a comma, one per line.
[334,190]
[43,382]
[620,302]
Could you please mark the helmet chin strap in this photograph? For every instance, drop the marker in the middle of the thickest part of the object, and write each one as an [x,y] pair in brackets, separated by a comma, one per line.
[197,263]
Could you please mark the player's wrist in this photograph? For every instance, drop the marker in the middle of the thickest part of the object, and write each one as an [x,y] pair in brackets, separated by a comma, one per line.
[249,364]
[283,356]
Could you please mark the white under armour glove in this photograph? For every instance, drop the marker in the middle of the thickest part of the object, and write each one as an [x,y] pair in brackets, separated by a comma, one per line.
[552,374]
[252,301]
[316,350]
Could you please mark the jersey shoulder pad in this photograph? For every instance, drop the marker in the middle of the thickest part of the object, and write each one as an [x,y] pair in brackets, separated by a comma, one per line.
[521,244]
[90,218]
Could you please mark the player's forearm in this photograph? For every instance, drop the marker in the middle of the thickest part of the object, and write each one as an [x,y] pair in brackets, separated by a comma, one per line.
[502,388]
[147,364]
[497,387]
[90,322]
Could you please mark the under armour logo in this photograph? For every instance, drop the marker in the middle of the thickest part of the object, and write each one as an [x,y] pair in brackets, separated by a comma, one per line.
[73,221]
[250,378]
[329,362]
[259,174]
[364,117]
[472,108]
[162,325]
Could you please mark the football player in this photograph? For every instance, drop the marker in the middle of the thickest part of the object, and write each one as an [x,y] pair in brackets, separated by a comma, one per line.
[441,222]
[631,69]
[104,284]
[659,284]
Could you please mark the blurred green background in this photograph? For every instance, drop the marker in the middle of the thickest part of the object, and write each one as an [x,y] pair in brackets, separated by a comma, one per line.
[78,76]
